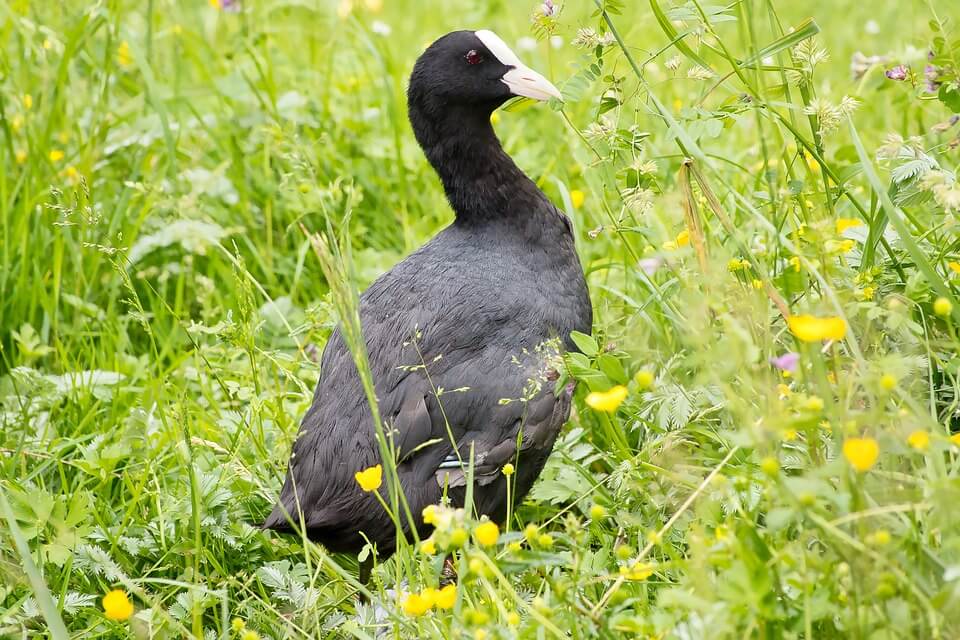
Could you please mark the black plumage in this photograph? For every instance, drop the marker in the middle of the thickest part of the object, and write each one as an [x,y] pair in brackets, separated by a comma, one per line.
[484,306]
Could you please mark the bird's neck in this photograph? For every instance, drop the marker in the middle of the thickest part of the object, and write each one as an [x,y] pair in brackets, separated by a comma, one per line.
[482,182]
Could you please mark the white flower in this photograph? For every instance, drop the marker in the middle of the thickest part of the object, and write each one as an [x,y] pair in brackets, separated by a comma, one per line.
[872,27]
[697,72]
[381,28]
[556,42]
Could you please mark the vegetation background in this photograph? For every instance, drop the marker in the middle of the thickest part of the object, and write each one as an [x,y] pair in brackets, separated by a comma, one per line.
[725,166]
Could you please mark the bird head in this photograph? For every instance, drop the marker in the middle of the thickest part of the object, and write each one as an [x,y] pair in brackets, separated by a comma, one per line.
[474,70]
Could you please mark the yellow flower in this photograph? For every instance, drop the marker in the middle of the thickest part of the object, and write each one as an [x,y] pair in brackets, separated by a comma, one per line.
[847,223]
[954,266]
[47,44]
[942,307]
[756,284]
[71,173]
[373,6]
[888,382]
[644,379]
[639,571]
[861,453]
[250,634]
[607,401]
[770,466]
[812,329]
[56,155]
[429,514]
[27,101]
[598,512]
[237,624]
[215,4]
[677,104]
[20,156]
[117,606]
[446,597]
[416,605]
[487,533]
[790,435]
[17,121]
[576,198]
[814,403]
[508,470]
[458,537]
[370,479]
[513,618]
[795,263]
[428,547]
[955,439]
[880,538]
[124,57]
[683,238]
[919,440]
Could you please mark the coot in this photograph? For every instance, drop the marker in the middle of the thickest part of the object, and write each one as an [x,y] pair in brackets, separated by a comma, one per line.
[462,335]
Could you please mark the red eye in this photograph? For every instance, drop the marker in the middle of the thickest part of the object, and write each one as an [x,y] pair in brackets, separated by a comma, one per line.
[474,57]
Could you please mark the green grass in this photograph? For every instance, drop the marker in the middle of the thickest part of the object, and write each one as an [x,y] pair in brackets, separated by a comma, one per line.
[162,312]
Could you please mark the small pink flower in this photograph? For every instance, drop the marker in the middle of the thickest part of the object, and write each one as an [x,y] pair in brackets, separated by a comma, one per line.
[548,8]
[786,362]
[650,265]
[898,73]
[932,75]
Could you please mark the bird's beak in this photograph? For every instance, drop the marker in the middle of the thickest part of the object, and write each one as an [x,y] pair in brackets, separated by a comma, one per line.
[521,79]
[524,81]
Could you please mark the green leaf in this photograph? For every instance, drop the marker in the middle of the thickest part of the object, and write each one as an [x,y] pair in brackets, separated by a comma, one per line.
[808,29]
[587,344]
[950,96]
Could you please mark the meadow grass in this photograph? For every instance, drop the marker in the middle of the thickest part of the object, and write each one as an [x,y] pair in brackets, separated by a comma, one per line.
[764,441]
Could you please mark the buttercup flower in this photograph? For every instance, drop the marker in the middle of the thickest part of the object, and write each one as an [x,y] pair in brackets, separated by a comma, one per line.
[812,329]
[124,57]
[942,307]
[919,440]
[507,469]
[117,606]
[644,379]
[371,478]
[861,453]
[576,198]
[638,571]
[446,597]
[487,533]
[428,547]
[429,514]
[416,605]
[847,223]
[607,401]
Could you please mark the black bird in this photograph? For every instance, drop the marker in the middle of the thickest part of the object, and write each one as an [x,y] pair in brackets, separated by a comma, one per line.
[463,333]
